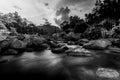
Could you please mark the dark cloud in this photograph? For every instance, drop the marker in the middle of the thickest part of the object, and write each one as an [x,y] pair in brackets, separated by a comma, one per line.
[71,2]
[46,4]
[77,7]
[80,3]
[64,13]
[17,7]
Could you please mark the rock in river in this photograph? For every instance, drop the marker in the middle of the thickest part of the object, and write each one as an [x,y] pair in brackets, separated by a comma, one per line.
[107,73]
[82,41]
[97,44]
[52,44]
[36,45]
[79,51]
[59,50]
[18,44]
[10,52]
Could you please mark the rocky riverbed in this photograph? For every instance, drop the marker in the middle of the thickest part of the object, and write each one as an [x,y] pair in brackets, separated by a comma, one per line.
[46,59]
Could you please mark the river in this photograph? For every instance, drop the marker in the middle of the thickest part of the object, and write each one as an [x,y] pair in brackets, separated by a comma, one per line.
[48,66]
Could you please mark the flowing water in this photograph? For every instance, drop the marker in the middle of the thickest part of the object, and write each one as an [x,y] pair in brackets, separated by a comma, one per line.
[48,66]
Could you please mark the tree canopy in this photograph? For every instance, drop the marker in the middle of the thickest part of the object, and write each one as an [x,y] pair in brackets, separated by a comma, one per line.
[104,9]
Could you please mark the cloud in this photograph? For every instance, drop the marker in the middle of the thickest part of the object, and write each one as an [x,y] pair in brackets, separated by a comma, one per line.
[36,10]
[62,15]
[17,7]
[77,7]
[46,4]
[84,3]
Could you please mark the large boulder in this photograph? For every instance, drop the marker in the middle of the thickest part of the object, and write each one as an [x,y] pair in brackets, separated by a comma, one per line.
[107,73]
[36,44]
[20,37]
[58,50]
[114,50]
[17,44]
[4,45]
[79,52]
[73,36]
[10,52]
[3,61]
[71,43]
[81,42]
[97,44]
[53,44]
[3,34]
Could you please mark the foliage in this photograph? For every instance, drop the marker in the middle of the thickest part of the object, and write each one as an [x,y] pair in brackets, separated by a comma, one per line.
[19,24]
[115,32]
[104,9]
[95,33]
[72,24]
[107,23]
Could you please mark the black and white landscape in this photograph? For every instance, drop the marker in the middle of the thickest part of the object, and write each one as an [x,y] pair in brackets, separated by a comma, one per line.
[60,39]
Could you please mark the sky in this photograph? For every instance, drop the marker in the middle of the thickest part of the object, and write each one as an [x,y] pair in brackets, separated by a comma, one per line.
[38,10]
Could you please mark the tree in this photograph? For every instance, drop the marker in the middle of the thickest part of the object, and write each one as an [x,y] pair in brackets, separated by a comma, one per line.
[104,9]
[72,24]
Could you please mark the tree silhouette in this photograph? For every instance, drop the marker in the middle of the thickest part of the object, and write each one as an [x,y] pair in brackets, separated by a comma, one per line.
[72,24]
[104,9]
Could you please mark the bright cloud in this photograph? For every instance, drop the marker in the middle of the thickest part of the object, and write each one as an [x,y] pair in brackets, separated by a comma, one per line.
[36,10]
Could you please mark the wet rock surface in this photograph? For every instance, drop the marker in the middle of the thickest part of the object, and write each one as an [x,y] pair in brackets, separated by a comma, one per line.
[15,45]
[79,51]
[58,50]
[97,44]
[107,73]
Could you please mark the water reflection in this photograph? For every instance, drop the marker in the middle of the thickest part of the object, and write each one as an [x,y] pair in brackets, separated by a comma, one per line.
[62,66]
[42,60]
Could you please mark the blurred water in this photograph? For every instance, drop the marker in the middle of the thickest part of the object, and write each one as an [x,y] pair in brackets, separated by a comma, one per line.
[52,65]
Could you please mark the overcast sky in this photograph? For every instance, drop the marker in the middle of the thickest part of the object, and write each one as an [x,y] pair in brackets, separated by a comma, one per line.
[36,10]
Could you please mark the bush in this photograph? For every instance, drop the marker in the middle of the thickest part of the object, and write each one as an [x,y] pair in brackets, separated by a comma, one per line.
[93,33]
[107,23]
[75,24]
[115,32]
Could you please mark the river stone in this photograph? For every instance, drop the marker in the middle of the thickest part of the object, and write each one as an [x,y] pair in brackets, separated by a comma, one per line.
[52,44]
[17,44]
[36,44]
[58,50]
[4,44]
[3,61]
[20,37]
[82,41]
[10,52]
[41,47]
[79,52]
[107,73]
[3,34]
[114,50]
[97,44]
